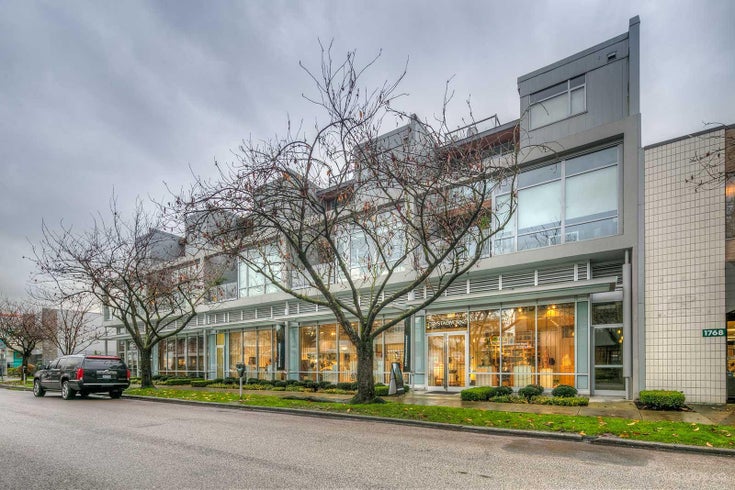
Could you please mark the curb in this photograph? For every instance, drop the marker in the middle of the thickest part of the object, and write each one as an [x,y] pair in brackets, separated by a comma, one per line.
[16,388]
[565,436]
[661,446]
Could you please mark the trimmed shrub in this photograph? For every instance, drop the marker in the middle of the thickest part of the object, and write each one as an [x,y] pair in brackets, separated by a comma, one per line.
[569,401]
[381,390]
[175,382]
[325,385]
[662,399]
[200,383]
[477,394]
[508,399]
[503,391]
[529,391]
[347,386]
[564,391]
[280,384]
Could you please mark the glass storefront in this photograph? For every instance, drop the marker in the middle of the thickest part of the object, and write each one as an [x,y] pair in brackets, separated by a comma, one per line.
[256,348]
[182,356]
[526,344]
[327,354]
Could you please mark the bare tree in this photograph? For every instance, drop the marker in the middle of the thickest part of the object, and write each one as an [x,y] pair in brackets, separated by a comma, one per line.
[71,323]
[354,219]
[134,269]
[21,328]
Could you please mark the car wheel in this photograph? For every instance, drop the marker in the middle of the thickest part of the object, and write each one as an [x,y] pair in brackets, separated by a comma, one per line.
[37,388]
[115,394]
[67,392]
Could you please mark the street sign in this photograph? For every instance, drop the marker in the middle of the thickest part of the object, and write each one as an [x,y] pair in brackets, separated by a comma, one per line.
[713,332]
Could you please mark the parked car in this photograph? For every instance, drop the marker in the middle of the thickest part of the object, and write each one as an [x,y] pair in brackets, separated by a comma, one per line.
[83,374]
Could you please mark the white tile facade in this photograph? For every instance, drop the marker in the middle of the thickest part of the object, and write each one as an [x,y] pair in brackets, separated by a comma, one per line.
[684,272]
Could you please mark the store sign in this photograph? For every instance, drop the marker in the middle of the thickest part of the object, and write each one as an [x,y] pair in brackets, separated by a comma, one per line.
[450,321]
[713,332]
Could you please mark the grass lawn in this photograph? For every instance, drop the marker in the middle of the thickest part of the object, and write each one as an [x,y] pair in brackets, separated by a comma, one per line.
[667,432]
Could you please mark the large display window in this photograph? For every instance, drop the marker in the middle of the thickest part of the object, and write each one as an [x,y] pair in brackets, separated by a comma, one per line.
[181,356]
[523,345]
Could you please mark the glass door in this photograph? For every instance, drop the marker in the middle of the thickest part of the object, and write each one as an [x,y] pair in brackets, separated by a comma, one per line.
[608,351]
[447,361]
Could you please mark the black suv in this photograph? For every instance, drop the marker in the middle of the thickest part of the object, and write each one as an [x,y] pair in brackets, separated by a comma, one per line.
[84,374]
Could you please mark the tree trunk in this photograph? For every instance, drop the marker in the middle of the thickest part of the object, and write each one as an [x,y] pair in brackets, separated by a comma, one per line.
[146,380]
[365,381]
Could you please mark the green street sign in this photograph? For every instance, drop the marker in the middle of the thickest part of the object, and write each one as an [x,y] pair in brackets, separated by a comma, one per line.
[713,332]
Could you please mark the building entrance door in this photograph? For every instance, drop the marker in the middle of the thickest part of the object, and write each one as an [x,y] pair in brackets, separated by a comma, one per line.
[608,349]
[447,368]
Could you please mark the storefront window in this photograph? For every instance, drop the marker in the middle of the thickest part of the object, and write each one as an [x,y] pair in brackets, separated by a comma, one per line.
[265,354]
[307,370]
[484,348]
[518,346]
[347,358]
[328,353]
[250,353]
[235,352]
[191,356]
[556,345]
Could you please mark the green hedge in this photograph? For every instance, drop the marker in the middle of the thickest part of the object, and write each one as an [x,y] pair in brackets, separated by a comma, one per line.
[529,391]
[662,399]
[563,401]
[176,381]
[485,393]
[200,383]
[477,394]
[564,391]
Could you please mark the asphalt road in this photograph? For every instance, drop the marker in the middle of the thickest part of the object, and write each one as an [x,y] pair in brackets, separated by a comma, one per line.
[103,443]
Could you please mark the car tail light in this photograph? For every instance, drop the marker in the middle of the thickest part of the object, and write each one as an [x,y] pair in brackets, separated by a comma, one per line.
[80,373]
[128,373]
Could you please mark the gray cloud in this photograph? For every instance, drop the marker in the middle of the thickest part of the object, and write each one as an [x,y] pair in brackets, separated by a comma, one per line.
[126,95]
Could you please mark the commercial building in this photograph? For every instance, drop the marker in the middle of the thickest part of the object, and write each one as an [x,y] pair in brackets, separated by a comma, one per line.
[562,296]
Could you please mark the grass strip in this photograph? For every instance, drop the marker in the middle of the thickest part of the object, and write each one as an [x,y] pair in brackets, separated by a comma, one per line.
[654,431]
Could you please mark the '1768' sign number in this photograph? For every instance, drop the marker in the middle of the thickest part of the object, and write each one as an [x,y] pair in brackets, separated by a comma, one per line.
[713,332]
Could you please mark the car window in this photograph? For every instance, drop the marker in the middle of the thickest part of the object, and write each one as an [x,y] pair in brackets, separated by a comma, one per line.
[93,363]
[54,364]
[69,363]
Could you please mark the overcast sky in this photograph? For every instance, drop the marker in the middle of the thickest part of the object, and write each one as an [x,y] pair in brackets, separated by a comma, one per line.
[103,95]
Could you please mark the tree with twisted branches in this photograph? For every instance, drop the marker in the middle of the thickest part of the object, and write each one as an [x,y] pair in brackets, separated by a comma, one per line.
[134,269]
[354,218]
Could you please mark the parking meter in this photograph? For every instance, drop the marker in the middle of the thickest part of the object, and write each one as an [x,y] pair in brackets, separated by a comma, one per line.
[240,372]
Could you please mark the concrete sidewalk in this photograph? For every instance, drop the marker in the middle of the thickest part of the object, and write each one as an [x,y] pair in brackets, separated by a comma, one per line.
[598,407]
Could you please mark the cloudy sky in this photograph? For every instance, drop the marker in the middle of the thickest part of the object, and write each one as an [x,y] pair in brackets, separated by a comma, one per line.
[101,96]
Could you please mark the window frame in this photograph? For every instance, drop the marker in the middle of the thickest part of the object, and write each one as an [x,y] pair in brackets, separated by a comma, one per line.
[563,91]
[514,234]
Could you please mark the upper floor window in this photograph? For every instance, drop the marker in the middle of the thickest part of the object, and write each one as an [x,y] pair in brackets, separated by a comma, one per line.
[558,102]
[567,201]
[252,282]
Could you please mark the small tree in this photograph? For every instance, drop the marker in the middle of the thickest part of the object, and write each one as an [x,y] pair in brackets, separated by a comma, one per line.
[355,220]
[71,323]
[21,328]
[132,268]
